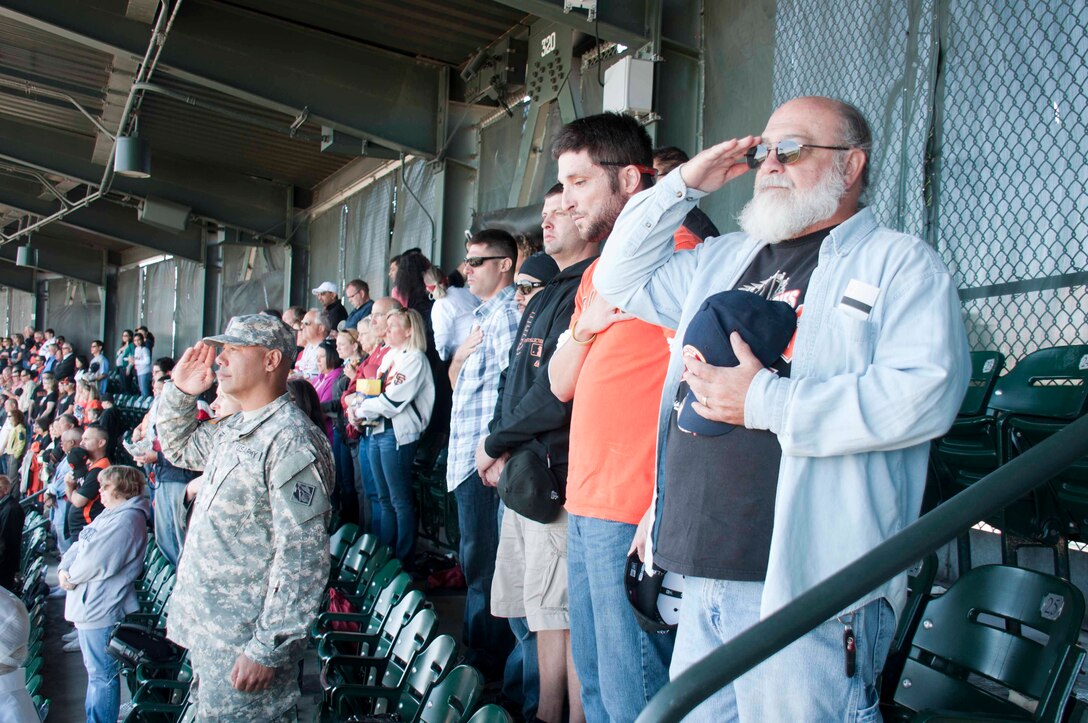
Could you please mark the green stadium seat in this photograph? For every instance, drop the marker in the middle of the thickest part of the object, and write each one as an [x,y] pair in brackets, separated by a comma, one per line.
[997,631]
[340,542]
[453,697]
[373,621]
[404,698]
[373,642]
[491,713]
[387,669]
[1044,391]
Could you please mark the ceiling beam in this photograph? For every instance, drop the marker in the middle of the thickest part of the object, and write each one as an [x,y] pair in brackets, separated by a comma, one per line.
[16,277]
[621,21]
[384,97]
[108,220]
[218,194]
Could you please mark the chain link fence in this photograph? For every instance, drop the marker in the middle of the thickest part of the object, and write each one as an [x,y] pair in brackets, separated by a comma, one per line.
[1010,204]
[978,114]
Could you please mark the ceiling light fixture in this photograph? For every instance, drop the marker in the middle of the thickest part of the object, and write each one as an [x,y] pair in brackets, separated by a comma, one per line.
[132,157]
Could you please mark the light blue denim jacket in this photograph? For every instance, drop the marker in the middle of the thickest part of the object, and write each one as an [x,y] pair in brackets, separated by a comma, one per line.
[866,392]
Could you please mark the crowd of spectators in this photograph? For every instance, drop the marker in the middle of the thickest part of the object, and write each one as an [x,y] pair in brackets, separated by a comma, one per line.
[563,416]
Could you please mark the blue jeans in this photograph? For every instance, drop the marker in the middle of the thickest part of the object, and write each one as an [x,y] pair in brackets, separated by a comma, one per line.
[392,468]
[521,676]
[60,513]
[144,381]
[103,701]
[620,665]
[487,638]
[805,681]
[170,516]
[346,503]
[370,508]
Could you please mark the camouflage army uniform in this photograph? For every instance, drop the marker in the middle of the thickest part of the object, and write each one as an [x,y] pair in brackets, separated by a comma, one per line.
[256,556]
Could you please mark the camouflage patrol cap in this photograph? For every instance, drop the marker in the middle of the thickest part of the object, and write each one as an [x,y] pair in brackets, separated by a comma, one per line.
[258,330]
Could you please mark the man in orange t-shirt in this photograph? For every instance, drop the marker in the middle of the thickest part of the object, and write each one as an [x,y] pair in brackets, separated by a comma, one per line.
[613,366]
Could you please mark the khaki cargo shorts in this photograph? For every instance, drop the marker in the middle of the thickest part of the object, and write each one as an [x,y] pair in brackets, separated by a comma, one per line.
[531,572]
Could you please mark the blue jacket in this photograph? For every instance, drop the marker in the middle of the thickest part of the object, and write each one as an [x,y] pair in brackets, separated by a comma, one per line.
[359,314]
[866,392]
[103,563]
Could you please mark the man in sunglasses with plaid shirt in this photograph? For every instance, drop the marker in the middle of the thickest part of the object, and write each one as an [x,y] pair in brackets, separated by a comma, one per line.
[474,372]
[829,451]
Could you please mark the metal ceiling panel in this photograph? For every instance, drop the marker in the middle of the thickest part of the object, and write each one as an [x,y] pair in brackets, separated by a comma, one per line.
[178,128]
[444,30]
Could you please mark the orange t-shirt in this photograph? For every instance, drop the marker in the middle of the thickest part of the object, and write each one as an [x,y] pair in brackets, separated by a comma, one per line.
[613,428]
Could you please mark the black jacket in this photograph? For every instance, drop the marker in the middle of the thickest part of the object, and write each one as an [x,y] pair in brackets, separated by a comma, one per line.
[65,368]
[527,411]
[11,539]
[337,313]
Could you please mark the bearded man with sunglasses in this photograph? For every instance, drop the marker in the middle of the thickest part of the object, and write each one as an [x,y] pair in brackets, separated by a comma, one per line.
[828,455]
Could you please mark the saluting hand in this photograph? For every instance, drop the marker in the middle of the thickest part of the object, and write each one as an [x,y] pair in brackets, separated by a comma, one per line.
[715,166]
[193,373]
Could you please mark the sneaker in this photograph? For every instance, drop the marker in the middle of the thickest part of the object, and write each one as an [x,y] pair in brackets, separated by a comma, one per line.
[69,637]
[72,647]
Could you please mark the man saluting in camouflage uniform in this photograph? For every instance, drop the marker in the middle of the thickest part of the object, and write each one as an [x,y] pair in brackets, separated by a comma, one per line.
[256,556]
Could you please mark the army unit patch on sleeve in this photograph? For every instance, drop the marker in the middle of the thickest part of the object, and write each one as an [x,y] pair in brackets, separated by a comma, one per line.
[304,493]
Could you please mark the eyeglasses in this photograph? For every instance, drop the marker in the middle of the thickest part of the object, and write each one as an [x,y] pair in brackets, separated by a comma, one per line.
[787,151]
[526,287]
[478,261]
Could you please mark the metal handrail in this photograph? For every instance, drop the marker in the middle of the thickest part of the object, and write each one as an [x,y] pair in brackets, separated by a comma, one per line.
[997,490]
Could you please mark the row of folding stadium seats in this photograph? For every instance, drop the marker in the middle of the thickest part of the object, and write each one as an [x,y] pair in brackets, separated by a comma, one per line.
[1002,642]
[132,408]
[384,657]
[156,671]
[1003,416]
[32,589]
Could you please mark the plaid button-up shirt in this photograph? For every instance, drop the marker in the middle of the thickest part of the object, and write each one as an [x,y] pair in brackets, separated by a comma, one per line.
[477,388]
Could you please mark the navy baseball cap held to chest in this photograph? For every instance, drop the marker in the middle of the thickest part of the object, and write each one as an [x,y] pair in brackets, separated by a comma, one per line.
[766,326]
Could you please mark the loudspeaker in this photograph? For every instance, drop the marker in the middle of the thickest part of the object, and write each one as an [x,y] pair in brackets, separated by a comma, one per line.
[26,256]
[166,215]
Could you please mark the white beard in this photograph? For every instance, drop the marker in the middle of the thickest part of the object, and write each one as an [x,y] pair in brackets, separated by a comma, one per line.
[775,216]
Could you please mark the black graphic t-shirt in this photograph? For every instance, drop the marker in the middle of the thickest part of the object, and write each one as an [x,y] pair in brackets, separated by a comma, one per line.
[718,507]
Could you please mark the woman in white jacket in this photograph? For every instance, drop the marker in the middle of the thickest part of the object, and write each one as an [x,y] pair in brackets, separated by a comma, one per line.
[396,419]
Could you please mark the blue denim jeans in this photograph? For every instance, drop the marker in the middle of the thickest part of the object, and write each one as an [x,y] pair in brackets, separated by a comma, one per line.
[346,504]
[170,518]
[392,468]
[370,510]
[144,382]
[805,681]
[620,665]
[487,638]
[103,701]
[521,676]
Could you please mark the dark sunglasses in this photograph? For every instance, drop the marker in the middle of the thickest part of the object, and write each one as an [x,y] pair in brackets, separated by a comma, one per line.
[525,287]
[787,152]
[478,261]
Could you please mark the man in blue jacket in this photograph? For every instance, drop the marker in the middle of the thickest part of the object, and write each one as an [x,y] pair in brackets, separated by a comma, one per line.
[827,453]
